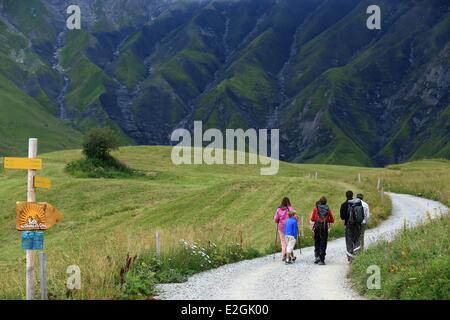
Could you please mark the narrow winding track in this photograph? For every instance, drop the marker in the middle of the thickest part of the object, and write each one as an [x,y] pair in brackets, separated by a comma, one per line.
[266,278]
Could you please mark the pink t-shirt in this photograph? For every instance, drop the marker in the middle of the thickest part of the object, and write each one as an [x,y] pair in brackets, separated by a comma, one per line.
[281,217]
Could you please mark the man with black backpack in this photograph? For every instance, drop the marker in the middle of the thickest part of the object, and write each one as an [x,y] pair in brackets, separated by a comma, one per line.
[352,212]
[321,218]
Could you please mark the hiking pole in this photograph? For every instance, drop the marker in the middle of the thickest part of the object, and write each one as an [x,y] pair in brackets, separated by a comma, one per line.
[276,241]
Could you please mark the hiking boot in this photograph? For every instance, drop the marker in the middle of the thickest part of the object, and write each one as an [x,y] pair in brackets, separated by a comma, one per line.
[284,258]
[317,261]
[349,257]
[321,263]
[293,259]
[288,262]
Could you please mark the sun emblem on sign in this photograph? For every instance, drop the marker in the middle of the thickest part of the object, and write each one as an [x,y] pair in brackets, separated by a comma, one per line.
[32,216]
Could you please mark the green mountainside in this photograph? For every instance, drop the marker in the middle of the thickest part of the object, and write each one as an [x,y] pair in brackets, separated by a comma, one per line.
[339,92]
[22,117]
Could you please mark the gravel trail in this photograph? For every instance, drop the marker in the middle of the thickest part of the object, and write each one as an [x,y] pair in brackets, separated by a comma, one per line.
[265,278]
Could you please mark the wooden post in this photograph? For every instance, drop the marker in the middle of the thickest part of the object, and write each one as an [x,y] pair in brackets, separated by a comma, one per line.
[43,273]
[382,194]
[31,197]
[316,175]
[30,256]
[158,245]
[302,226]
[300,237]
[379,184]
[359,177]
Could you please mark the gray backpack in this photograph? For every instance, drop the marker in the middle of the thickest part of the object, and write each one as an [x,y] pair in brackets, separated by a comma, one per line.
[323,211]
[355,213]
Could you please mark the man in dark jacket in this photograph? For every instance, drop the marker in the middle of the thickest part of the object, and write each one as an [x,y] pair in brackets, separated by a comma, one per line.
[352,231]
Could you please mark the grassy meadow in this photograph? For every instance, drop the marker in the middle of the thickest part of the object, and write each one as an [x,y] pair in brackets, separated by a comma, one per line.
[226,210]
[416,264]
[427,178]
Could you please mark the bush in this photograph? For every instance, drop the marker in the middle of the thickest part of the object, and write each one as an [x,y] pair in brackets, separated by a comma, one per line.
[94,168]
[140,282]
[99,142]
[99,163]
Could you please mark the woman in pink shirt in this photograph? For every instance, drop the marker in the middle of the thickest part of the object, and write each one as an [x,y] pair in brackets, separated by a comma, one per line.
[281,215]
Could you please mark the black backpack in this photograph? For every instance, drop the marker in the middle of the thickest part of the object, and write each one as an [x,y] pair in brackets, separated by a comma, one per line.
[355,213]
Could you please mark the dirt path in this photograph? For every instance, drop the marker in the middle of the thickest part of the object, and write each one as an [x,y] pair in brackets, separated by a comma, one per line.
[266,278]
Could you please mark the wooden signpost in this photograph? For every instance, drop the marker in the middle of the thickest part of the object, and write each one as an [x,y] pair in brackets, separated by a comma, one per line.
[31,197]
[33,217]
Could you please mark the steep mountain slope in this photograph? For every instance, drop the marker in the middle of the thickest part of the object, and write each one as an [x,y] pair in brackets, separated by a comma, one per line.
[27,101]
[339,93]
[382,100]
[22,117]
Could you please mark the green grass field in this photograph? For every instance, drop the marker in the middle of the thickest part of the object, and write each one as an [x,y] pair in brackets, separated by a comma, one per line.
[106,219]
[416,264]
[427,178]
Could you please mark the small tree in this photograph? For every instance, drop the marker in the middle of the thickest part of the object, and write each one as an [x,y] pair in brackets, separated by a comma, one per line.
[99,142]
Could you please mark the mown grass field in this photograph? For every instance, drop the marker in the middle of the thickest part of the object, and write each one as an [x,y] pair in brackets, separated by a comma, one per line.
[427,178]
[106,219]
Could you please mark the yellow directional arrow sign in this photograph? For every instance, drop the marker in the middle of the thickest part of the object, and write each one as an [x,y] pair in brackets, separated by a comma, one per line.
[41,182]
[22,163]
[52,215]
[36,216]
